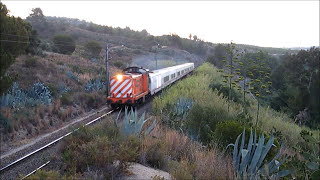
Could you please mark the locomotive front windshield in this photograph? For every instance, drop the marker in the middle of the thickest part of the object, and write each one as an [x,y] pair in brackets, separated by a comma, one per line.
[134,70]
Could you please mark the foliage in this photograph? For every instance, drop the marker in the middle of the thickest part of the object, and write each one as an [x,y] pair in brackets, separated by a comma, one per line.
[103,146]
[155,154]
[64,44]
[65,99]
[248,163]
[260,82]
[71,75]
[119,64]
[94,48]
[236,97]
[179,113]
[132,125]
[219,52]
[231,60]
[5,124]
[208,107]
[304,163]
[16,97]
[30,62]
[37,19]
[12,30]
[202,121]
[94,85]
[296,82]
[182,170]
[227,132]
[43,174]
[63,89]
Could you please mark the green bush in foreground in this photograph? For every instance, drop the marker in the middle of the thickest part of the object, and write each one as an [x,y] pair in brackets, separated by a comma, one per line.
[102,148]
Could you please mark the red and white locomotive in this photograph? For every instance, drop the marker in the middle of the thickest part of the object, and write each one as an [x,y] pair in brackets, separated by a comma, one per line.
[136,83]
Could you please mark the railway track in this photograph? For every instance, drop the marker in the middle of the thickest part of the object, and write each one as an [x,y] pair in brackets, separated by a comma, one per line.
[25,166]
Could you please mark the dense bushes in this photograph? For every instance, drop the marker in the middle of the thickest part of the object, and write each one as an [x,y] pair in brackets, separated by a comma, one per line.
[13,29]
[30,62]
[102,147]
[202,121]
[210,107]
[64,44]
[93,48]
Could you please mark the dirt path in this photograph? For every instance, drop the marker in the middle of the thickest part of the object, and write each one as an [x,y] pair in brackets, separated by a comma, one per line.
[142,172]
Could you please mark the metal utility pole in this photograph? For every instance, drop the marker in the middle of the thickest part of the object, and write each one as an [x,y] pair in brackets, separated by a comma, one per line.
[107,72]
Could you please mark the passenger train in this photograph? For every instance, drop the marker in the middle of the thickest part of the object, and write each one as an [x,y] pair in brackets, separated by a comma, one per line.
[135,84]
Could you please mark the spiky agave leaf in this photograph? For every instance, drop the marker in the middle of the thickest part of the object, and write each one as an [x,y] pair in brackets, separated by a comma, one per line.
[245,159]
[241,148]
[150,128]
[253,165]
[265,151]
[235,152]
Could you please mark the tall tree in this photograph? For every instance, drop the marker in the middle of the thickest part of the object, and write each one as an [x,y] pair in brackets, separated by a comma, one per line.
[14,41]
[37,19]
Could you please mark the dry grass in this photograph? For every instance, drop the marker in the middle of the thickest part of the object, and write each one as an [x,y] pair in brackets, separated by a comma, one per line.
[184,158]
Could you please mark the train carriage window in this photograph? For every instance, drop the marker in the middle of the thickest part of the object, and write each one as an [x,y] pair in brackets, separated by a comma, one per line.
[179,73]
[165,79]
[173,75]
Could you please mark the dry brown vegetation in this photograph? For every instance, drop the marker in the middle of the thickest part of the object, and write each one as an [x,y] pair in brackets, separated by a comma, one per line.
[183,158]
[52,71]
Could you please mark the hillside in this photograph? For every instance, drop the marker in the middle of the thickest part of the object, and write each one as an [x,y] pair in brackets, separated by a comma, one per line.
[53,71]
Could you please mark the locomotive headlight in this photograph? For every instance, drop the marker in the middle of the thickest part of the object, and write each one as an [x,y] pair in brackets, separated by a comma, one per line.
[119,77]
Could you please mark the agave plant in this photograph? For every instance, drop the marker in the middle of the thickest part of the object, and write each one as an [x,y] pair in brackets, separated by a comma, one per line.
[248,163]
[183,106]
[132,125]
[16,97]
[94,84]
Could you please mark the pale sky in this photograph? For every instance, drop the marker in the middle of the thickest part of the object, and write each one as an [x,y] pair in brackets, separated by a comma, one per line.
[261,23]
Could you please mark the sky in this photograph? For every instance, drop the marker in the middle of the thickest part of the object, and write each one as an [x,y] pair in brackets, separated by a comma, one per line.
[262,23]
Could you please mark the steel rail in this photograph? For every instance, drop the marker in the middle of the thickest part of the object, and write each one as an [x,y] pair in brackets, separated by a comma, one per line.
[53,142]
[43,165]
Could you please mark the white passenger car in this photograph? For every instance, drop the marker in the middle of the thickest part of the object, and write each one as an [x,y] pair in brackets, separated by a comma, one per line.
[161,78]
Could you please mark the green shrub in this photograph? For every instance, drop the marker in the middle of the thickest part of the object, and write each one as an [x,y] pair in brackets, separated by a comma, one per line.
[99,147]
[236,97]
[65,99]
[227,132]
[30,62]
[5,124]
[94,48]
[202,121]
[119,64]
[53,89]
[64,44]
[77,69]
[44,174]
